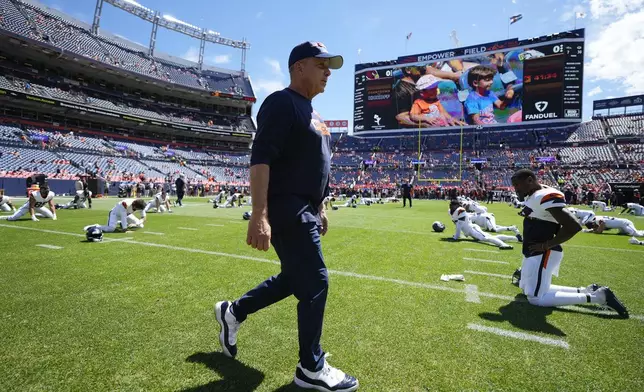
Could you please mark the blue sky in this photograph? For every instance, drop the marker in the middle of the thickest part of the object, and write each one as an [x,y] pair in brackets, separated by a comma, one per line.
[376,29]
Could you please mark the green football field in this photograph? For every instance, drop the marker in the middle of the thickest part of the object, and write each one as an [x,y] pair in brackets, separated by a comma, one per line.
[135,312]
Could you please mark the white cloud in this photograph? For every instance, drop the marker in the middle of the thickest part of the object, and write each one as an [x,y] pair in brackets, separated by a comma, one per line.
[514,1]
[259,14]
[473,24]
[220,59]
[267,86]
[616,54]
[595,91]
[192,54]
[605,8]
[274,65]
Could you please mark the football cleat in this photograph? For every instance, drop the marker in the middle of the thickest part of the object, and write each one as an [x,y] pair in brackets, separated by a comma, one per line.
[519,238]
[613,302]
[634,241]
[506,247]
[516,277]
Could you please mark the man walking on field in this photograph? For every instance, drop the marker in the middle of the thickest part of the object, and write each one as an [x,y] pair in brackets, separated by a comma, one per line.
[289,179]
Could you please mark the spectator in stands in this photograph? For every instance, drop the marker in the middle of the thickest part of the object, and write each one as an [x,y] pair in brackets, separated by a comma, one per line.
[290,174]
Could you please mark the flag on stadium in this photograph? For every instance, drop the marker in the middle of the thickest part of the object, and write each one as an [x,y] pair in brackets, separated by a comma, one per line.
[514,19]
[581,15]
[409,36]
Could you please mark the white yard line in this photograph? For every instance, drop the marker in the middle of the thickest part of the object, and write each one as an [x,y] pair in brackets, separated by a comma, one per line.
[481,250]
[519,335]
[49,246]
[333,272]
[214,225]
[152,232]
[488,274]
[485,260]
[187,228]
[472,294]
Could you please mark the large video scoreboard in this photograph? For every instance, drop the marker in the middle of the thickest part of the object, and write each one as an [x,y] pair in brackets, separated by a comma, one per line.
[514,81]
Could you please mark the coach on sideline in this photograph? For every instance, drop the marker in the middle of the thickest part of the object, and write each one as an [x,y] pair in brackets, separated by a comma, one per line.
[289,179]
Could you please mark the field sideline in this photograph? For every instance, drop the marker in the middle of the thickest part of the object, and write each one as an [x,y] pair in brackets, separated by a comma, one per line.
[135,312]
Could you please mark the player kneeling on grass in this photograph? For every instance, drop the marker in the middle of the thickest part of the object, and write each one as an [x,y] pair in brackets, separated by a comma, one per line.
[600,205]
[6,204]
[464,224]
[36,206]
[123,213]
[603,223]
[160,203]
[488,222]
[82,197]
[633,208]
[547,225]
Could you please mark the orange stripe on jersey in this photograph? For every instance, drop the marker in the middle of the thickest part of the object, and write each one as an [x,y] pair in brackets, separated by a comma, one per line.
[546,256]
[552,196]
[459,210]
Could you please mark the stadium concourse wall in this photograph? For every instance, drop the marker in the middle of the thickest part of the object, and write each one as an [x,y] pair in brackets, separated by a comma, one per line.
[17,187]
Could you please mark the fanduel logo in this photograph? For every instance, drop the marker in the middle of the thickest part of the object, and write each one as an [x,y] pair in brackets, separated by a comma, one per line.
[540,116]
[541,106]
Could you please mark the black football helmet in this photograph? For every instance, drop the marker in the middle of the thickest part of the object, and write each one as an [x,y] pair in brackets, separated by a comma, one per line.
[94,234]
[438,227]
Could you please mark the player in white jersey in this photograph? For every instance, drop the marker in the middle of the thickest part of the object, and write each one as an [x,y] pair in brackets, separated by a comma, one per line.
[80,200]
[463,223]
[160,203]
[6,204]
[583,216]
[603,223]
[547,224]
[633,208]
[233,201]
[515,202]
[601,206]
[123,213]
[474,207]
[36,206]
[488,222]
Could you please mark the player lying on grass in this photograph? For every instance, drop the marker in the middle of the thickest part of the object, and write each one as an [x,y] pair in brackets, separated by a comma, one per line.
[474,207]
[600,205]
[233,201]
[6,204]
[82,197]
[123,214]
[160,203]
[582,216]
[488,222]
[547,225]
[603,223]
[633,208]
[36,206]
[464,224]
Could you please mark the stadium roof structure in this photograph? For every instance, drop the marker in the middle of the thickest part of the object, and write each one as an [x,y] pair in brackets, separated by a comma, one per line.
[171,23]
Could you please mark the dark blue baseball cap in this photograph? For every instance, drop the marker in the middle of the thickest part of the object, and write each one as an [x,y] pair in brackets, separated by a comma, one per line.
[314,49]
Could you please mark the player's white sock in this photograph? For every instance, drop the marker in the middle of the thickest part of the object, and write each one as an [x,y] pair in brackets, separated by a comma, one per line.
[507,238]
[496,241]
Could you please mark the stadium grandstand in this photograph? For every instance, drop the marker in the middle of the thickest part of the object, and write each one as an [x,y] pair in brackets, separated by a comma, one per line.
[77,100]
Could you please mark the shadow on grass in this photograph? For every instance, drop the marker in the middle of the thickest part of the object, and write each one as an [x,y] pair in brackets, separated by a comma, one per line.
[522,315]
[235,375]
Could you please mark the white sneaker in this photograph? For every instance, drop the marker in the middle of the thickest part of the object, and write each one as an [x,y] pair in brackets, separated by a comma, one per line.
[634,241]
[328,379]
[229,327]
